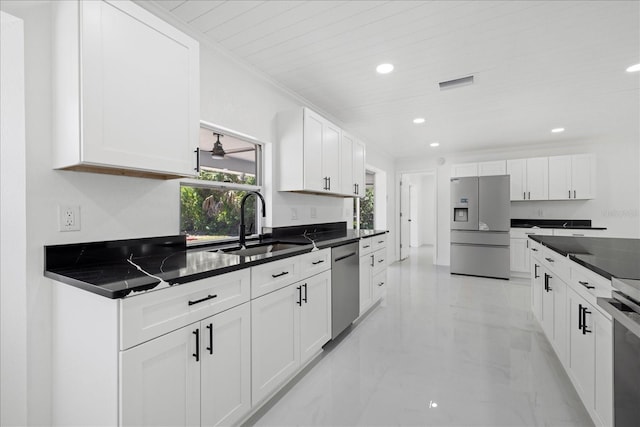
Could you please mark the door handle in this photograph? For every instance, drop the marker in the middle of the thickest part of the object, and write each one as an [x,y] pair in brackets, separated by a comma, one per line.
[197,151]
[299,302]
[344,257]
[549,259]
[569,193]
[535,271]
[210,328]
[574,194]
[586,284]
[580,317]
[197,353]
[372,261]
[318,262]
[279,274]
[305,293]
[584,321]
[208,297]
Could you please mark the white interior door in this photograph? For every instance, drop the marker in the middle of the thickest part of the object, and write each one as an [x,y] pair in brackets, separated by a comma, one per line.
[405,224]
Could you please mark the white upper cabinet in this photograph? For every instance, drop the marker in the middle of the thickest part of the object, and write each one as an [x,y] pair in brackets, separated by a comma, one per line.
[347,173]
[359,156]
[498,167]
[529,178]
[572,177]
[316,156]
[353,169]
[464,169]
[125,91]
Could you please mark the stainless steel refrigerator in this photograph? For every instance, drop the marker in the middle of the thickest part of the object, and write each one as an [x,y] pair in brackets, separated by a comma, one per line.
[480,221]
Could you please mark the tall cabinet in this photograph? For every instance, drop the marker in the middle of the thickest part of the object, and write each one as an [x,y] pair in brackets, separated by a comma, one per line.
[316,156]
[125,91]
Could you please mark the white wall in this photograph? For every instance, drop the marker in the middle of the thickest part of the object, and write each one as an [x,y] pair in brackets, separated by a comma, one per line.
[115,207]
[13,292]
[426,209]
[617,202]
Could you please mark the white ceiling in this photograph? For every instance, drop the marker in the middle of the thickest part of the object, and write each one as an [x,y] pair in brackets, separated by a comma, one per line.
[537,65]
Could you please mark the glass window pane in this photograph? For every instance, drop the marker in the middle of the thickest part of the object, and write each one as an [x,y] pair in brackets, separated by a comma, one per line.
[214,214]
[224,158]
[367,203]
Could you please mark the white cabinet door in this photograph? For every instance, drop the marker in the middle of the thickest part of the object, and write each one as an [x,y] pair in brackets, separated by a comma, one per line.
[135,100]
[366,297]
[559,291]
[359,156]
[537,287]
[581,347]
[379,284]
[547,305]
[315,315]
[225,347]
[331,162]
[464,169]
[519,254]
[275,340]
[313,136]
[583,176]
[160,381]
[497,167]
[517,170]
[560,177]
[603,400]
[347,173]
[538,178]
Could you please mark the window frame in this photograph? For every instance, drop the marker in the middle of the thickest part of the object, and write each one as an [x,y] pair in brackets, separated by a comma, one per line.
[218,185]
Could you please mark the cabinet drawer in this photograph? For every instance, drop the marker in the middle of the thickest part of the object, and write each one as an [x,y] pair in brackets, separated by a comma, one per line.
[274,275]
[523,233]
[315,262]
[366,246]
[379,241]
[588,284]
[379,281]
[536,249]
[556,264]
[147,316]
[379,260]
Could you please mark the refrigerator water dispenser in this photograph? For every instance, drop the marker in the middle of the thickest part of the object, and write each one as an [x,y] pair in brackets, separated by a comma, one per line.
[461,214]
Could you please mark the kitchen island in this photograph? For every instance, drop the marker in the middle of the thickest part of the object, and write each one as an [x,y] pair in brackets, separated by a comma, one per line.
[570,277]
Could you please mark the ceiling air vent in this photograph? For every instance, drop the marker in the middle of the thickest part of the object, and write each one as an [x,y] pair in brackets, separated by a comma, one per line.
[455,83]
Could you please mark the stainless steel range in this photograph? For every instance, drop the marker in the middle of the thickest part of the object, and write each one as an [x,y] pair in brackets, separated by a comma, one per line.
[624,307]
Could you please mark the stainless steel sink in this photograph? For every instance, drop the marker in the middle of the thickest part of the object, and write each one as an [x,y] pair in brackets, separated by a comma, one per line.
[261,249]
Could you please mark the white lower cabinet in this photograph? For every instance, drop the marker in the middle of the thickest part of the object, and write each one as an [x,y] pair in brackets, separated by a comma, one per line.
[197,375]
[372,271]
[580,334]
[289,326]
[591,357]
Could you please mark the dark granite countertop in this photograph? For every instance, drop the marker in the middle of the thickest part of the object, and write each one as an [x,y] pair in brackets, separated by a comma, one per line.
[608,257]
[111,268]
[569,224]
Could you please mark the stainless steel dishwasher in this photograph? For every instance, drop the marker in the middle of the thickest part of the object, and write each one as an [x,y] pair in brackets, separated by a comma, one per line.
[345,287]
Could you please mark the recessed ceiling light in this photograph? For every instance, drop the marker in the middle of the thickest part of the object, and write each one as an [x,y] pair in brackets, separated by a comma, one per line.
[557,130]
[418,120]
[384,68]
[434,144]
[633,68]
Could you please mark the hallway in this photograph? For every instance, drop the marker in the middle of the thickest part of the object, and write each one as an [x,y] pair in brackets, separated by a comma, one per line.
[440,350]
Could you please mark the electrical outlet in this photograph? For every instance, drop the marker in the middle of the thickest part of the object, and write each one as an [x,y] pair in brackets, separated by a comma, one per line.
[294,213]
[314,212]
[69,218]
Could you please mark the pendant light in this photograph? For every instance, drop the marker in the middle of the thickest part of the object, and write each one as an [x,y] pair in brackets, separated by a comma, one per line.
[217,152]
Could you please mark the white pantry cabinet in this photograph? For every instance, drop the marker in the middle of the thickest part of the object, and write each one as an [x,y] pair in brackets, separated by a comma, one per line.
[572,177]
[529,178]
[125,91]
[289,326]
[197,375]
[310,153]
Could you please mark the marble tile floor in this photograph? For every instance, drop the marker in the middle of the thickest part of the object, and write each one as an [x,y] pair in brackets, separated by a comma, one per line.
[440,350]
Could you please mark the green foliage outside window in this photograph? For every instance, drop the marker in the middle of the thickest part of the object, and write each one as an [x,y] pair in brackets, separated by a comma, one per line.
[214,213]
[367,209]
